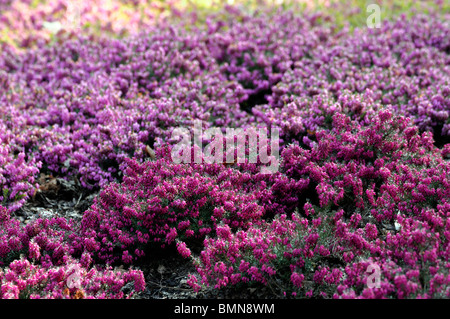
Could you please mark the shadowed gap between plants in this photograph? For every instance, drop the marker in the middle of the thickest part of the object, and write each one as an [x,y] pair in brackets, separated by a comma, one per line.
[439,139]
[258,98]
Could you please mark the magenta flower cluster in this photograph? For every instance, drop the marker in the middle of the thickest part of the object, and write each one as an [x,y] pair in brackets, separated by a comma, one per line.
[161,202]
[25,280]
[36,262]
[31,23]
[383,197]
[17,172]
[403,66]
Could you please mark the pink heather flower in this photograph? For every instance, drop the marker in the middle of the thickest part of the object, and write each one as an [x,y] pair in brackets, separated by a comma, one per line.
[312,238]
[86,259]
[204,231]
[412,274]
[171,235]
[9,291]
[220,267]
[371,231]
[308,208]
[235,278]
[317,222]
[410,131]
[385,115]
[355,219]
[323,251]
[223,231]
[21,284]
[333,277]
[183,249]
[91,245]
[446,151]
[348,257]
[269,270]
[189,233]
[244,266]
[229,206]
[126,258]
[297,279]
[192,281]
[4,214]
[183,224]
[138,278]
[34,250]
[320,274]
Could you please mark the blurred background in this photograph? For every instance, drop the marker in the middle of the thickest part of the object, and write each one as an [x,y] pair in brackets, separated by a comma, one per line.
[25,23]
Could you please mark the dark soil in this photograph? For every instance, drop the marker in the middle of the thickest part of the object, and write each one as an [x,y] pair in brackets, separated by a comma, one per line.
[165,271]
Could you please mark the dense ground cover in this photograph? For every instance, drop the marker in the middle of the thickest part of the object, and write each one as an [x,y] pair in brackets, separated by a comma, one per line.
[363,179]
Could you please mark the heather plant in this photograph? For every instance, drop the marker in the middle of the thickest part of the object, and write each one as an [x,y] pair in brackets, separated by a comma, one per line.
[37,263]
[160,201]
[289,255]
[45,241]
[414,264]
[386,165]
[23,279]
[370,205]
[259,65]
[106,114]
[17,173]
[26,24]
[298,258]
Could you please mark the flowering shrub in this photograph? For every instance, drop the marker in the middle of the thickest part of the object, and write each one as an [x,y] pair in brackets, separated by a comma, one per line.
[17,174]
[287,255]
[160,201]
[22,279]
[39,265]
[367,178]
[396,66]
[83,107]
[377,169]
